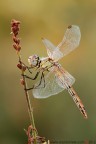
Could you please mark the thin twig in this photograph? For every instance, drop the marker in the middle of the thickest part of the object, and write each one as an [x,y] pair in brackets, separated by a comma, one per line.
[14,31]
[31,133]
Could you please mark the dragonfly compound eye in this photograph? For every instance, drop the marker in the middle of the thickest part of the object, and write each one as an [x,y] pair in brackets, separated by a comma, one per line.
[33,60]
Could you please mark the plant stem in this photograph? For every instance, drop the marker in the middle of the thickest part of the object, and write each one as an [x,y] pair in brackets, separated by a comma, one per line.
[30,110]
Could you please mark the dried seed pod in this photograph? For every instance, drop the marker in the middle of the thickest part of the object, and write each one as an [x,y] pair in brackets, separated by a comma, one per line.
[18,48]
[23,68]
[15,27]
[15,46]
[19,66]
[22,81]
[16,40]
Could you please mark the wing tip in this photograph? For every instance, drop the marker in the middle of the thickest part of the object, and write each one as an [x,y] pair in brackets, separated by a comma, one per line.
[70,26]
[42,38]
[73,26]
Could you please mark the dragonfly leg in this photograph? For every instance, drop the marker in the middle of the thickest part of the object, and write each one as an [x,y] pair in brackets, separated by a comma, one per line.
[48,67]
[41,79]
[27,67]
[37,86]
[31,77]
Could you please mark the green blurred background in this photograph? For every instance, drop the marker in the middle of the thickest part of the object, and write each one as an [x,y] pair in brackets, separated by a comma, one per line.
[56,118]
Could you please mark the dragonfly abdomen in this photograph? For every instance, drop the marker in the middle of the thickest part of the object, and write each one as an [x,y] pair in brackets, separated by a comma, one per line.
[77,100]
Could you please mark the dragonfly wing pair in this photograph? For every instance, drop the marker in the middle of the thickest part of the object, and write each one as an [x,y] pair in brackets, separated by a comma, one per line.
[70,41]
[53,85]
[59,79]
[48,87]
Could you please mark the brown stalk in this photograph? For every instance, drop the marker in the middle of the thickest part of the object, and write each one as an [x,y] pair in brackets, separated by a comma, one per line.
[14,31]
[31,133]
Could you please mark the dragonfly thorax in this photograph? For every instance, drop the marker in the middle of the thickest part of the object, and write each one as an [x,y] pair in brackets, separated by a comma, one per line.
[47,63]
[34,60]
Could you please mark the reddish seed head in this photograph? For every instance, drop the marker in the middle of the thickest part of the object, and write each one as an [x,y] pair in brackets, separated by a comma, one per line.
[23,68]
[22,81]
[18,48]
[15,22]
[15,27]
[15,46]
[14,31]
[19,66]
[16,40]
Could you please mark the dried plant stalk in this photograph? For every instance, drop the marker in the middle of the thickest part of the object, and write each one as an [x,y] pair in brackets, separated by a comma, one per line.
[31,133]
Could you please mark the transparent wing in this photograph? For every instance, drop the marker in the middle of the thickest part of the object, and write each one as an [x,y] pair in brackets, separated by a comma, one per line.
[52,85]
[62,77]
[51,48]
[70,40]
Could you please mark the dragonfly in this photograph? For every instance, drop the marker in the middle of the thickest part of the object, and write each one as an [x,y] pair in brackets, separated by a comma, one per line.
[57,79]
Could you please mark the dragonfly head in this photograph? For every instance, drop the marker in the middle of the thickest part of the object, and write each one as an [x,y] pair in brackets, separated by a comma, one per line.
[34,60]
